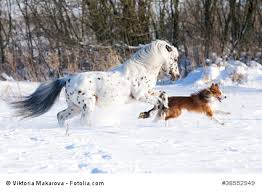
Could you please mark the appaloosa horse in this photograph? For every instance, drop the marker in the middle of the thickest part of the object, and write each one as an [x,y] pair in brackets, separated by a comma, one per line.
[135,79]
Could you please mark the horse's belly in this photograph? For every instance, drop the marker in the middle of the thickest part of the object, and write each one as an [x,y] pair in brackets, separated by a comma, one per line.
[105,102]
[109,97]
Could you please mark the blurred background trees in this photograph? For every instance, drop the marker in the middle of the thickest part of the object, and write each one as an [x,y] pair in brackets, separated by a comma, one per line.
[42,39]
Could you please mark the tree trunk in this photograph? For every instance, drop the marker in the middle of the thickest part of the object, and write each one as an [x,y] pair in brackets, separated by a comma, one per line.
[175,19]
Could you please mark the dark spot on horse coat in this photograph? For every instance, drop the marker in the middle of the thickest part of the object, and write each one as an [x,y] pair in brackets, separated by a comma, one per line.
[132,96]
[98,78]
[68,80]
[83,93]
[84,107]
[79,92]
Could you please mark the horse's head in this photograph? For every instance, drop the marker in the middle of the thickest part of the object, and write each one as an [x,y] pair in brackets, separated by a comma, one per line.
[159,57]
[170,56]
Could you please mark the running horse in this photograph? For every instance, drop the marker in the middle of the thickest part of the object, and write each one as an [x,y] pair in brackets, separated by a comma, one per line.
[135,79]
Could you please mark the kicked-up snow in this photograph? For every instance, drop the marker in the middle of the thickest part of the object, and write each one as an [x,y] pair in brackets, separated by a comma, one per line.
[119,142]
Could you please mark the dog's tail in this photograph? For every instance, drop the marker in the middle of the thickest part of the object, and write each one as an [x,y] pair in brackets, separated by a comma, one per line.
[41,100]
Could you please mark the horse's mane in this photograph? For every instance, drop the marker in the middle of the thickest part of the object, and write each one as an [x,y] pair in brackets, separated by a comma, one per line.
[145,53]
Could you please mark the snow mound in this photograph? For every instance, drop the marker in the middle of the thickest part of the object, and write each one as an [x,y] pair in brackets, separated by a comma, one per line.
[232,72]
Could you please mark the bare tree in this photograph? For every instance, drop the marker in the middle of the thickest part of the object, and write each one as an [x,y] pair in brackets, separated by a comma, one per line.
[40,39]
[5,27]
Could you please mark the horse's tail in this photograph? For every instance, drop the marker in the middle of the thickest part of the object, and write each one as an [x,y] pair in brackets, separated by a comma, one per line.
[41,100]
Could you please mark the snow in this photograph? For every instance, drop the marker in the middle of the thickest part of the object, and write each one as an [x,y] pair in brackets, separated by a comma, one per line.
[232,72]
[120,143]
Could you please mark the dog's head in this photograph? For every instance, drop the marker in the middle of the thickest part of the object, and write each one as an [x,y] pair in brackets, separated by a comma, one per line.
[216,92]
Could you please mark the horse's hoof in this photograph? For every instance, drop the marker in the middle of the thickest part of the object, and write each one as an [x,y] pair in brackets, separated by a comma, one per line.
[143,115]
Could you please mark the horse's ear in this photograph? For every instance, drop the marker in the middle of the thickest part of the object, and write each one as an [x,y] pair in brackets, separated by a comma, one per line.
[168,48]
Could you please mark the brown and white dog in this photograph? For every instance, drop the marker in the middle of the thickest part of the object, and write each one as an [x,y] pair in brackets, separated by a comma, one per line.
[199,102]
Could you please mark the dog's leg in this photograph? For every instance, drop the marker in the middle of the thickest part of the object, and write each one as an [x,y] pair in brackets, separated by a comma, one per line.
[210,114]
[221,112]
[166,123]
[161,114]
[217,120]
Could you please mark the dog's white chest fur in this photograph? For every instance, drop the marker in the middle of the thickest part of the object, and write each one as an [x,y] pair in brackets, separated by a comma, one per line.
[213,103]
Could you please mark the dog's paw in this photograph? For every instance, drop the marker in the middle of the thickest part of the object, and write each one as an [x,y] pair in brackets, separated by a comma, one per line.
[143,115]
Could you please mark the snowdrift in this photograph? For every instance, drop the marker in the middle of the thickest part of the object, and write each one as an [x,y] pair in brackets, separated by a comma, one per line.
[231,72]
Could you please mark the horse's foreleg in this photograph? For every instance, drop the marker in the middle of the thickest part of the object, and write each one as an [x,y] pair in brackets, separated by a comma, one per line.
[160,102]
[146,114]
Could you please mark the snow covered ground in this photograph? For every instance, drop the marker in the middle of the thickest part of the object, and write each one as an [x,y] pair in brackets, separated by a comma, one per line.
[120,143]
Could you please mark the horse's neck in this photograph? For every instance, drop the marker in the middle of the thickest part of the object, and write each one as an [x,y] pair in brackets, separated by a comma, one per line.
[141,70]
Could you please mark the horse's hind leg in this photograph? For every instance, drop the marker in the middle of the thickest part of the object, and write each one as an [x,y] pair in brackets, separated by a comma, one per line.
[87,107]
[62,116]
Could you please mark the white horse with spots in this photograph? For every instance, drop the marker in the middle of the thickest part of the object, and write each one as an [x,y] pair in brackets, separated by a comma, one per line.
[135,79]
